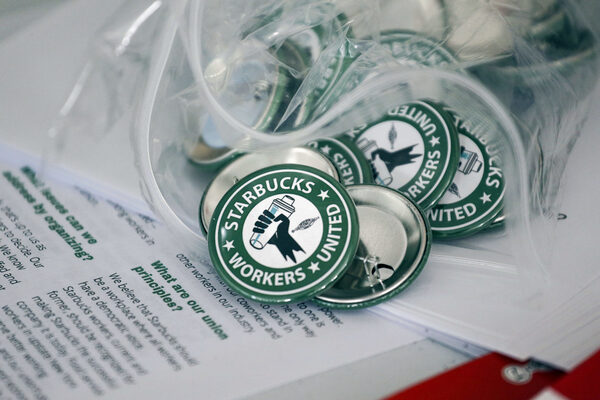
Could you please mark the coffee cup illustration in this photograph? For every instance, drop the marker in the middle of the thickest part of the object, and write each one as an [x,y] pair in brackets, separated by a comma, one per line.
[469,161]
[283,207]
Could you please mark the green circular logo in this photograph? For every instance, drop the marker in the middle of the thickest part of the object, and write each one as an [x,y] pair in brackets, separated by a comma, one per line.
[351,164]
[413,149]
[474,198]
[283,233]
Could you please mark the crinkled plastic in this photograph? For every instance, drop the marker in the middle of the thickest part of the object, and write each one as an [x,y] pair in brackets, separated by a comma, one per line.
[249,75]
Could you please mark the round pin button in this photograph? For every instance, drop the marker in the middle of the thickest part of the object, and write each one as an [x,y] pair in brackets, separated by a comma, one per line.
[394,245]
[413,149]
[283,234]
[248,163]
[474,198]
[352,166]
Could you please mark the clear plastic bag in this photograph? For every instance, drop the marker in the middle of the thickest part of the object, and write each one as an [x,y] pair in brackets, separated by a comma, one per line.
[238,75]
[17,14]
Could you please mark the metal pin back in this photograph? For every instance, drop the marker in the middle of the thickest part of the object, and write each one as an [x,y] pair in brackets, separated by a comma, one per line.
[394,245]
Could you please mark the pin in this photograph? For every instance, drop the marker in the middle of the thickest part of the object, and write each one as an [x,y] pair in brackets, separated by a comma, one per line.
[475,196]
[413,149]
[283,233]
[394,245]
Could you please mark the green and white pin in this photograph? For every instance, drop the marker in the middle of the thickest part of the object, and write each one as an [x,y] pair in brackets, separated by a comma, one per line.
[475,196]
[353,168]
[413,149]
[283,234]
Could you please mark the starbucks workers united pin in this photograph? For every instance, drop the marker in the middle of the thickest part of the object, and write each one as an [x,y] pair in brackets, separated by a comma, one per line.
[413,149]
[474,199]
[283,233]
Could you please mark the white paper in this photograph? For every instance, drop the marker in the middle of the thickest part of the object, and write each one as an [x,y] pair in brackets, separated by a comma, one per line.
[502,312]
[79,314]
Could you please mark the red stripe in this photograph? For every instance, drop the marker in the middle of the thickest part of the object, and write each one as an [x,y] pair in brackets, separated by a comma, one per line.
[583,382]
[481,379]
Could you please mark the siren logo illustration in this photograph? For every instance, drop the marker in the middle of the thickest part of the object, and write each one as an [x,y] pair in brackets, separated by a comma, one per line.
[397,150]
